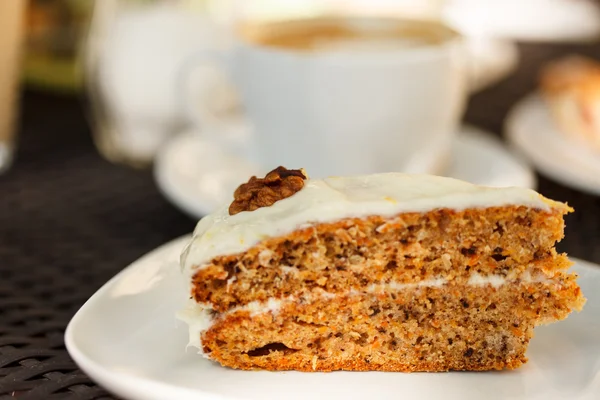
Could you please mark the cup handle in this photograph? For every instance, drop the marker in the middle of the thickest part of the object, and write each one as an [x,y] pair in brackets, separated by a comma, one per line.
[476,64]
[212,103]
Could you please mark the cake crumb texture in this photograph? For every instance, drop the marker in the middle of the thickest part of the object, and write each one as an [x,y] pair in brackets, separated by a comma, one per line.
[411,292]
[354,253]
[429,329]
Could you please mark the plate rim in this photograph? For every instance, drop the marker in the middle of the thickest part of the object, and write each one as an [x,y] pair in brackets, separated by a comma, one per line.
[110,380]
[515,136]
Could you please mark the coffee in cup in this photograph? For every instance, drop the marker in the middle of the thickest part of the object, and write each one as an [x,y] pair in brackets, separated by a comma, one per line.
[348,95]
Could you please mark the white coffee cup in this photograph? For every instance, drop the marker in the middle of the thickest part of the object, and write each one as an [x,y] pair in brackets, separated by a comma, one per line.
[368,95]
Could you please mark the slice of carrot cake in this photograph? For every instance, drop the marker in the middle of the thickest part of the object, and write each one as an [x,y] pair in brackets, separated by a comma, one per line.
[387,272]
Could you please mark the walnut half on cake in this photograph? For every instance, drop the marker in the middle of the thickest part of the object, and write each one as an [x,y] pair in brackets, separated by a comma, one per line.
[387,272]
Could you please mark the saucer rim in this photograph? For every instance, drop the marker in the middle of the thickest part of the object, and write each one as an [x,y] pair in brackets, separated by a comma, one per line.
[197,209]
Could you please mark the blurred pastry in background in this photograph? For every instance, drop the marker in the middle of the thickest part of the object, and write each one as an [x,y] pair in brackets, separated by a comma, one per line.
[571,88]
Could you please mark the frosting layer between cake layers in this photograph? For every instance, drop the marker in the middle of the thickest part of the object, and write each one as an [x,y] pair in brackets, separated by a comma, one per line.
[201,318]
[337,198]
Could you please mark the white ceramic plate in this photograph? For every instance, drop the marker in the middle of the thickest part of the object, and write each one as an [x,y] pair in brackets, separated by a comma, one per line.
[534,20]
[531,129]
[127,339]
[197,176]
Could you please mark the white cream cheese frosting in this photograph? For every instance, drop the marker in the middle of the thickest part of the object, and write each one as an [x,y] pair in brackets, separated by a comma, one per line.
[337,198]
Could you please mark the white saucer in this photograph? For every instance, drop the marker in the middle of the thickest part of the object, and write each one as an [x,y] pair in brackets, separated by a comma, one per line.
[529,20]
[197,176]
[127,339]
[531,129]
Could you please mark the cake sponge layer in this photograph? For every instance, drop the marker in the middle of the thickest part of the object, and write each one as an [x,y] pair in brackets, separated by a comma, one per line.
[409,247]
[438,328]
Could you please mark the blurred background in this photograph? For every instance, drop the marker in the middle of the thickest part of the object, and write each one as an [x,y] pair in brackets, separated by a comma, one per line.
[120,127]
[125,60]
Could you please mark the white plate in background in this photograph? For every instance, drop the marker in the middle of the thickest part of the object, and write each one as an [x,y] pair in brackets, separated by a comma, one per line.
[481,158]
[127,339]
[525,20]
[530,129]
[197,176]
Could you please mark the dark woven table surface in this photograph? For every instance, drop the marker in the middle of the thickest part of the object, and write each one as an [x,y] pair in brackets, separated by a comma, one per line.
[70,220]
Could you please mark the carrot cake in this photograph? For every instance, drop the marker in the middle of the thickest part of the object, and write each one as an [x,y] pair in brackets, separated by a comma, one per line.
[387,272]
[571,87]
